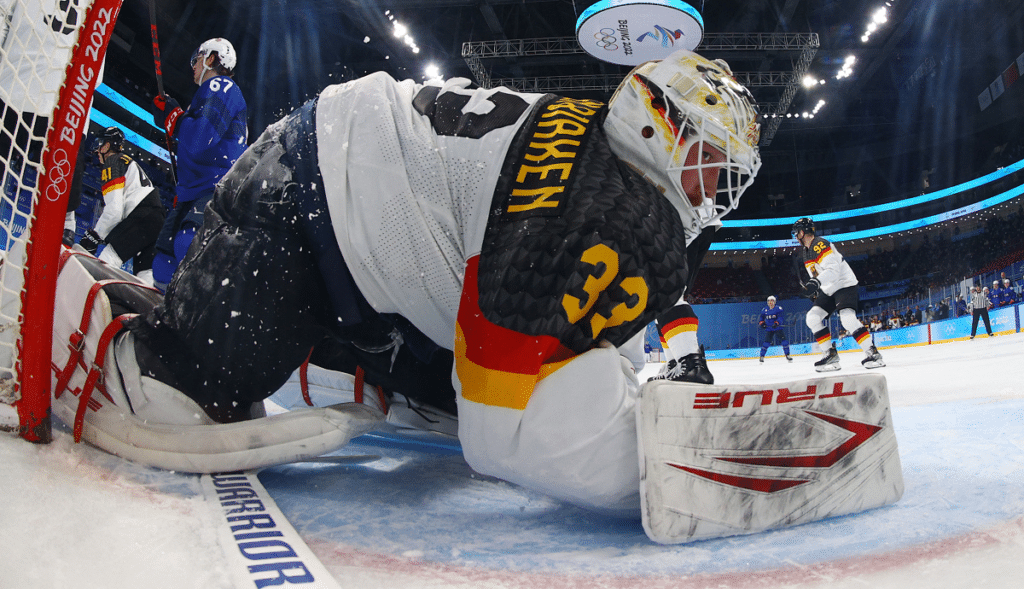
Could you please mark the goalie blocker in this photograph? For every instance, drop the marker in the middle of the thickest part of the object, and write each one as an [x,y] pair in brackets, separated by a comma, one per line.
[735,459]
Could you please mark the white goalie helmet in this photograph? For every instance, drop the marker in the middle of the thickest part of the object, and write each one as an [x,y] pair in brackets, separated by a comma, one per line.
[225,52]
[663,118]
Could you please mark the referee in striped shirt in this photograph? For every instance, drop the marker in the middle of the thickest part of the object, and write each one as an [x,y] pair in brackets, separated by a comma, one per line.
[979,308]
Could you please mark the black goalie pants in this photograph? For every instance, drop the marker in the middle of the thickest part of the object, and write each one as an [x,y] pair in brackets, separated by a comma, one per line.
[264,283]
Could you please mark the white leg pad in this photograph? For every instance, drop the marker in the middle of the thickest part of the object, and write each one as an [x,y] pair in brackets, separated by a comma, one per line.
[184,438]
[724,460]
[278,439]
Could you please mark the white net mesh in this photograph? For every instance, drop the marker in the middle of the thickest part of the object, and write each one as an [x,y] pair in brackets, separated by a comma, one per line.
[37,41]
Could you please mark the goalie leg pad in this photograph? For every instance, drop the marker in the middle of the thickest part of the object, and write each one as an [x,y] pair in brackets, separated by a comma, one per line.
[726,460]
[99,390]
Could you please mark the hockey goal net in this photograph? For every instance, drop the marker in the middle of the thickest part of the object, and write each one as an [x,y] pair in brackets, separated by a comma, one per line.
[51,56]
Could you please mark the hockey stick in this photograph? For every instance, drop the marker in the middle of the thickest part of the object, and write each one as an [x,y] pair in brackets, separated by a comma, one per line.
[261,546]
[160,83]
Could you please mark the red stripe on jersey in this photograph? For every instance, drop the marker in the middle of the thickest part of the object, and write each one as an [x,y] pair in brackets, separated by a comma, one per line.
[496,365]
[113,185]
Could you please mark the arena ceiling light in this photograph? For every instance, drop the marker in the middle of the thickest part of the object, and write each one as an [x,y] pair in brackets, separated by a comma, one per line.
[402,32]
[847,70]
[810,81]
[878,18]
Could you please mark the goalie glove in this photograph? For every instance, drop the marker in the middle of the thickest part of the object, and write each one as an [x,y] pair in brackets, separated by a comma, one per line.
[91,241]
[812,289]
[167,111]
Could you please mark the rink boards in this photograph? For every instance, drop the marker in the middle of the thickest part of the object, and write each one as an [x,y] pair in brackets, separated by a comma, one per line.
[1004,321]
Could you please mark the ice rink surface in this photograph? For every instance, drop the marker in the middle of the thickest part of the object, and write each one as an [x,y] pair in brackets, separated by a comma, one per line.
[419,517]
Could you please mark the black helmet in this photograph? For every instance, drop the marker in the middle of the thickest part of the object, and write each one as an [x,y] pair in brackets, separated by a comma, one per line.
[804,224]
[112,135]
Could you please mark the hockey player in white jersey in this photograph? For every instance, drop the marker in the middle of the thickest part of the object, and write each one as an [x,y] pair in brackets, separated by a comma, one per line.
[494,253]
[527,239]
[832,287]
[132,212]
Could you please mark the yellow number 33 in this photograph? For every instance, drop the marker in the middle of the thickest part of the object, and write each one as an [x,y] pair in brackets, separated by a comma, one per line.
[606,269]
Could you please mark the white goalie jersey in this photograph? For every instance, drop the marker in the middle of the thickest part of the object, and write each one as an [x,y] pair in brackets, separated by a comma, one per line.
[431,192]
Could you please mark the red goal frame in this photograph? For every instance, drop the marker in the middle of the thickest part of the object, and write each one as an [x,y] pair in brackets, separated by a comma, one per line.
[69,123]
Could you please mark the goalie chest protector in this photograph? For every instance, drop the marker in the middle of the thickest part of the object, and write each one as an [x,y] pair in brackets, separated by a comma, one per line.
[578,245]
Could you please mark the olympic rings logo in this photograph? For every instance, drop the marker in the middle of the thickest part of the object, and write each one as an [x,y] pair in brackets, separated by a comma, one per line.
[606,39]
[58,174]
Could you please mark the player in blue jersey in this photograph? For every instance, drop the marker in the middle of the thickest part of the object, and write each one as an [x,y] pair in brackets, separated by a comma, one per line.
[773,321]
[1008,296]
[211,135]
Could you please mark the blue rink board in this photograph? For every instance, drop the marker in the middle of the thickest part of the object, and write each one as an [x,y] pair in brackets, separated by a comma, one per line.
[963,466]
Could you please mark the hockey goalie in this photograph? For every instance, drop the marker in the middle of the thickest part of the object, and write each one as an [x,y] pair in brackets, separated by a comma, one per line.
[488,254]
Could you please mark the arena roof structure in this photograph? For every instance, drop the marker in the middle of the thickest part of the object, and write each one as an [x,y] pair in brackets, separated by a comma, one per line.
[928,99]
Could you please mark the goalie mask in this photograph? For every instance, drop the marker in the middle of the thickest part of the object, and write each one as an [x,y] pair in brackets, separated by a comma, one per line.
[692,130]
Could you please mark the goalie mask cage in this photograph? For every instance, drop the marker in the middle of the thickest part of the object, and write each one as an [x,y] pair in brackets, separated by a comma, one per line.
[51,56]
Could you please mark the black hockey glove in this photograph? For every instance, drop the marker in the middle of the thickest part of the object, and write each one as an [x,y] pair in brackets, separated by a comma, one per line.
[69,237]
[812,289]
[91,241]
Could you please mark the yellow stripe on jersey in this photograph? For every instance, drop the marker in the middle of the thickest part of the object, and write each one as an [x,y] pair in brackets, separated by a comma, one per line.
[116,183]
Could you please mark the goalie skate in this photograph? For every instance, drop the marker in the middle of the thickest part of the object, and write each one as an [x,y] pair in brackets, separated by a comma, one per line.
[738,459]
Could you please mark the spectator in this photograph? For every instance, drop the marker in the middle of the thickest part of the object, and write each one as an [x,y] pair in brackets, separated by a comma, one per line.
[908,317]
[211,135]
[943,310]
[876,323]
[894,320]
[961,306]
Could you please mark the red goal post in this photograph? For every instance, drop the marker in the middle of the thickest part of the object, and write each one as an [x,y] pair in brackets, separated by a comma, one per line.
[51,58]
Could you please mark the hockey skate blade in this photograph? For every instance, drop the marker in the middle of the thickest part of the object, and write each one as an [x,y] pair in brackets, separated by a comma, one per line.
[874,364]
[278,439]
[724,460]
[828,368]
